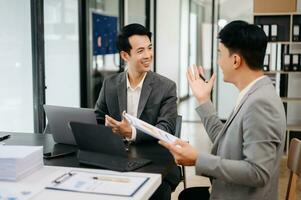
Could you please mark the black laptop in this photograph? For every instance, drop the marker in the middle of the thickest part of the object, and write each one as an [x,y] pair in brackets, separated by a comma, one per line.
[99,146]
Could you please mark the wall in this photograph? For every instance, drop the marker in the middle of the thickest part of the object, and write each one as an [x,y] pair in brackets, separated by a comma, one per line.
[228,93]
[62,52]
[168,39]
[16,94]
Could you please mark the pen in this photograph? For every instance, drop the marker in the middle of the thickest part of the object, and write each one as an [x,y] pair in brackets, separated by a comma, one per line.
[4,137]
[113,179]
[202,77]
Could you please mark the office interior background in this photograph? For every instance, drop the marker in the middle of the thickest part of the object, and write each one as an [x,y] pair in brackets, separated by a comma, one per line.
[47,57]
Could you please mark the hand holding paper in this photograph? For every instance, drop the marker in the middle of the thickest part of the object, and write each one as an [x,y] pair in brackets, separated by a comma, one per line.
[150,129]
[183,153]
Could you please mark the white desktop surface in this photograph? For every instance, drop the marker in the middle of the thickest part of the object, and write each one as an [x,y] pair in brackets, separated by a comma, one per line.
[39,179]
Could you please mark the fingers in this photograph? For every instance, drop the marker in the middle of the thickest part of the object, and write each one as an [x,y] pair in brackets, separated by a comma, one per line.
[181,143]
[212,79]
[171,147]
[189,74]
[111,122]
[115,130]
[164,144]
[195,72]
[202,73]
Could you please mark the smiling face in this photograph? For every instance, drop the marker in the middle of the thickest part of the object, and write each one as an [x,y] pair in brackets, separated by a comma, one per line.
[141,54]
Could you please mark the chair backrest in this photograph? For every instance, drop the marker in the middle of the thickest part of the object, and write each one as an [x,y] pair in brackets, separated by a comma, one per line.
[178,126]
[47,129]
[294,165]
[178,134]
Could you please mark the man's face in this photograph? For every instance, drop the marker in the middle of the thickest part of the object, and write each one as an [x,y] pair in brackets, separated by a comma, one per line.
[141,54]
[226,62]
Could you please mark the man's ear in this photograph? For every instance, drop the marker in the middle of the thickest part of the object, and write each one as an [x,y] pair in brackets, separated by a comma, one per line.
[237,61]
[124,55]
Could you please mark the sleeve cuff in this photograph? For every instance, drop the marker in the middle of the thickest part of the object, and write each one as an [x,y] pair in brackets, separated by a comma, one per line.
[205,109]
[205,164]
[134,134]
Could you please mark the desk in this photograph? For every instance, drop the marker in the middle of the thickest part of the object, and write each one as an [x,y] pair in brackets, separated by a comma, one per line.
[41,178]
[162,160]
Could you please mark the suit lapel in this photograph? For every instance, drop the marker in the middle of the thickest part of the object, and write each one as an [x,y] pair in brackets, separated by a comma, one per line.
[259,84]
[145,92]
[121,93]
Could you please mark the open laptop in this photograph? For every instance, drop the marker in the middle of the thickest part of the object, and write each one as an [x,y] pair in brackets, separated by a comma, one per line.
[99,146]
[59,118]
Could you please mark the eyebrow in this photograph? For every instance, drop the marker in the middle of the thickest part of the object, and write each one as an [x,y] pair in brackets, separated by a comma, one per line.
[142,48]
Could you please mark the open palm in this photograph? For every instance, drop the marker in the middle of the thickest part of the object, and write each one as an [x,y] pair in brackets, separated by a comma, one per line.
[201,89]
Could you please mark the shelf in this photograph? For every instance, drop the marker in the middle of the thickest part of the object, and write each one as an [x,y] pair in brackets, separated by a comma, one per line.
[277,14]
[282,72]
[291,127]
[294,42]
[291,99]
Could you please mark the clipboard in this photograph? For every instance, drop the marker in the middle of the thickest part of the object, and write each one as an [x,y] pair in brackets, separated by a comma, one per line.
[98,183]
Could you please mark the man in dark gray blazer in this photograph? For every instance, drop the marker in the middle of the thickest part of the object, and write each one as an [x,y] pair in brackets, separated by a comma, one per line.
[247,149]
[142,93]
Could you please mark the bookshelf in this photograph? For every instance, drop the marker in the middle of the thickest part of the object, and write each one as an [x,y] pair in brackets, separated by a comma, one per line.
[283,56]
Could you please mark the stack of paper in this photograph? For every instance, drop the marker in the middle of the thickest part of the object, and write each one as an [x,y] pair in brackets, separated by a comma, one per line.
[19,161]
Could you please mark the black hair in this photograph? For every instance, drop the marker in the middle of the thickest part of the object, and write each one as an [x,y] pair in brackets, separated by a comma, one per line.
[123,43]
[248,40]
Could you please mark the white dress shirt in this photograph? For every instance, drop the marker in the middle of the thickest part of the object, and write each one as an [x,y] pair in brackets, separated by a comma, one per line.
[133,97]
[244,92]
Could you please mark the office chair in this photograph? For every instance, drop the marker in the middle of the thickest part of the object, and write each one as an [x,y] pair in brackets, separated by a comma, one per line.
[47,129]
[178,134]
[294,165]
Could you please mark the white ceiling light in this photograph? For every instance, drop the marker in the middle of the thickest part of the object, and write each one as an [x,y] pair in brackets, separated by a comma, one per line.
[222,22]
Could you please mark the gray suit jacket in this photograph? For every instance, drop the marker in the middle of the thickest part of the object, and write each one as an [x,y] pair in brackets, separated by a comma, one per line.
[247,149]
[157,104]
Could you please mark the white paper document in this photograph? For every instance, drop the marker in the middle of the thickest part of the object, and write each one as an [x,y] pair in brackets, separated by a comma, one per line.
[20,193]
[98,183]
[17,162]
[150,129]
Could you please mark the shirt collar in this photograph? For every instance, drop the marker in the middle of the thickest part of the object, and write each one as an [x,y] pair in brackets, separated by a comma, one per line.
[245,90]
[128,85]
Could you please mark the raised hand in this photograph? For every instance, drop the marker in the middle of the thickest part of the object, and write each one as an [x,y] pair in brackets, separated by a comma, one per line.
[201,88]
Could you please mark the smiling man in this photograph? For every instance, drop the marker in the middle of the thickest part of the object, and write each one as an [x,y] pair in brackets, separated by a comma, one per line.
[247,149]
[141,93]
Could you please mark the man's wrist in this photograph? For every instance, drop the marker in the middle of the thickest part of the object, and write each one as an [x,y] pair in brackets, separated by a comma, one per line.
[203,100]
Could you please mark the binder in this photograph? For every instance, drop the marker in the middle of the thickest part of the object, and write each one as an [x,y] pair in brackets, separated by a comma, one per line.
[295,62]
[296,32]
[299,66]
[274,32]
[278,63]
[266,63]
[286,62]
[273,57]
[266,29]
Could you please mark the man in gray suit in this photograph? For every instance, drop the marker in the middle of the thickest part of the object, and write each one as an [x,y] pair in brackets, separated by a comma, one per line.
[247,149]
[140,92]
